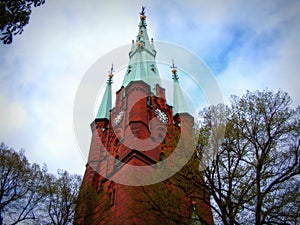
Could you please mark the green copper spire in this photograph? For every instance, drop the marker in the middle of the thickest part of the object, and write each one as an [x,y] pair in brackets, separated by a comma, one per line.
[106,103]
[178,98]
[142,65]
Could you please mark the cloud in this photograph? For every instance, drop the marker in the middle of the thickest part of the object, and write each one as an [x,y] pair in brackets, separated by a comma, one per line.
[242,42]
[13,115]
[248,45]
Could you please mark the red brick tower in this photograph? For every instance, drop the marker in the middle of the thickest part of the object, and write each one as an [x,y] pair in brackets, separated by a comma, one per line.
[129,142]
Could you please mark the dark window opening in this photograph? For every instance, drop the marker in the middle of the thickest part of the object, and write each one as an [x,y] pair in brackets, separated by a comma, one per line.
[149,103]
[162,157]
[162,162]
[112,197]
[116,142]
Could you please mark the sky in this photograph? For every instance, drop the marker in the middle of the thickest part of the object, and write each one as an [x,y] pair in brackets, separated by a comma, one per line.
[248,45]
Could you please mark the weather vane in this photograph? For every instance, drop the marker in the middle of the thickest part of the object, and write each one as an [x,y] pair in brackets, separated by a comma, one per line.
[143,11]
[111,71]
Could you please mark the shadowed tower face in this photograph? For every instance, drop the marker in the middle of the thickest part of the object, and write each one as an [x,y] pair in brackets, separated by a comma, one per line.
[140,131]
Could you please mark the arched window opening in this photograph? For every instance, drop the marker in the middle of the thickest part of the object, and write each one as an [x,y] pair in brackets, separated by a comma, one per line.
[162,157]
[112,194]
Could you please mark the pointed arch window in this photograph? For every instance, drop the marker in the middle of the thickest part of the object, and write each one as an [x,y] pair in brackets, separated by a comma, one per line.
[149,103]
[100,189]
[112,197]
[111,194]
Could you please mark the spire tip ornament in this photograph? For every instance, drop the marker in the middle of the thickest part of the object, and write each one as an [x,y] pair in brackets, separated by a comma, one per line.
[142,13]
[142,64]
[174,70]
[110,74]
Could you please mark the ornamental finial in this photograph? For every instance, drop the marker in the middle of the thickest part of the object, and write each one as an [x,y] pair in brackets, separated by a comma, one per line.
[110,73]
[142,13]
[174,70]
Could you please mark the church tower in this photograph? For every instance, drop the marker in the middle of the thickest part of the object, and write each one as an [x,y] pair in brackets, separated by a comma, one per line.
[133,138]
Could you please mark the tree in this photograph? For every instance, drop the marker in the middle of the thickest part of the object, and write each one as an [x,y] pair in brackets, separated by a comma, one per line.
[60,198]
[30,195]
[14,16]
[20,183]
[249,159]
[254,175]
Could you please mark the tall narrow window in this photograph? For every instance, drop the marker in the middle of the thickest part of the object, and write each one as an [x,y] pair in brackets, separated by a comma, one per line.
[149,101]
[112,194]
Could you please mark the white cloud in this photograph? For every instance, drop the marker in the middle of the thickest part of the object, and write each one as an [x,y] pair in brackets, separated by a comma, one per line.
[13,115]
[251,45]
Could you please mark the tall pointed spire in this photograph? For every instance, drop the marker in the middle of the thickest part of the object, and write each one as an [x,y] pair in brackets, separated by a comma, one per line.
[178,98]
[142,65]
[106,102]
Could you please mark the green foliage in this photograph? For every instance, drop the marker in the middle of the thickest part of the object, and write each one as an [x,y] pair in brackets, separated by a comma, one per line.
[14,16]
[20,185]
[61,193]
[29,195]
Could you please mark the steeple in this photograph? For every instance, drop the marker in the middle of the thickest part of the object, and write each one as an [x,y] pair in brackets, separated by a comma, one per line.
[106,102]
[129,144]
[179,102]
[142,65]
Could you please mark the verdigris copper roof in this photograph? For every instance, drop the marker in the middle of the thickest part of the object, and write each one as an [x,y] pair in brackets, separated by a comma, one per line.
[106,102]
[179,102]
[142,65]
